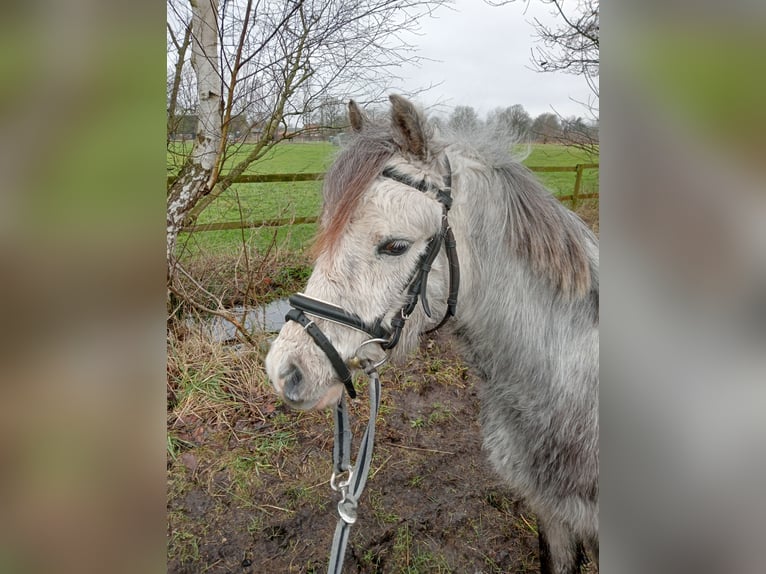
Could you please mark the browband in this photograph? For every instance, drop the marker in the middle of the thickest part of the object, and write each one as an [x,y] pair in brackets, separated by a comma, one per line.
[443,195]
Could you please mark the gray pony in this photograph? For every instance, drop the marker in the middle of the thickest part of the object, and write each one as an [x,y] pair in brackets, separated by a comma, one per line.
[527,317]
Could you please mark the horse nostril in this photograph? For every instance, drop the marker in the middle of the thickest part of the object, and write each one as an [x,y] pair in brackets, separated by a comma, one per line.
[293,378]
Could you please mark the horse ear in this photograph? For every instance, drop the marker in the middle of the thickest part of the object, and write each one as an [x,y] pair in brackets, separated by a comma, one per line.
[356,116]
[409,123]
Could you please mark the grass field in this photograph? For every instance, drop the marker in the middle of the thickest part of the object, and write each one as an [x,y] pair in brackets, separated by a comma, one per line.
[284,158]
[559,155]
[258,201]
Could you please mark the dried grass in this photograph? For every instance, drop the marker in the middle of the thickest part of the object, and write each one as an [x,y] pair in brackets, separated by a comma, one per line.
[211,383]
[588,211]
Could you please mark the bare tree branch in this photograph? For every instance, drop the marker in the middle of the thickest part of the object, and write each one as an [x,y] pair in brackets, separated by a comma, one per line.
[177,76]
[218,311]
[570,46]
[263,67]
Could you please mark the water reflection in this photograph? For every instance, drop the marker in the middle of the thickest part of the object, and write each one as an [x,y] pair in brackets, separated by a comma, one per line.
[266,319]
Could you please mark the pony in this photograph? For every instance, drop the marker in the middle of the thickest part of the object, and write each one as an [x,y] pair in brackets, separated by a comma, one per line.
[527,316]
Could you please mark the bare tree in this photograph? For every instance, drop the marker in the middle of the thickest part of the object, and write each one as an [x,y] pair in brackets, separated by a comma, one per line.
[546,128]
[571,46]
[513,121]
[331,115]
[174,85]
[580,132]
[197,176]
[274,62]
[464,118]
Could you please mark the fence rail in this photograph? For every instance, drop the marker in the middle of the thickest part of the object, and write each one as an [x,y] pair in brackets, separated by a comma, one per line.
[575,197]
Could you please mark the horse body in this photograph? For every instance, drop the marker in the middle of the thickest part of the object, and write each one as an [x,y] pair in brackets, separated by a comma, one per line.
[527,317]
[535,346]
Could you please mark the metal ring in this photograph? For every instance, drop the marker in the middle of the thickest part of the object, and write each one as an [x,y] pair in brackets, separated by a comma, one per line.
[368,341]
[378,341]
[356,362]
[336,486]
[370,370]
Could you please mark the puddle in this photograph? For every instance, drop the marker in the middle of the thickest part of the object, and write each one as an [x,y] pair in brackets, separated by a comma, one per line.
[267,319]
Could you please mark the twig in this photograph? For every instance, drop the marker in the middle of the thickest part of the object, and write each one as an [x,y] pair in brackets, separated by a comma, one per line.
[381,466]
[532,528]
[200,307]
[277,508]
[419,449]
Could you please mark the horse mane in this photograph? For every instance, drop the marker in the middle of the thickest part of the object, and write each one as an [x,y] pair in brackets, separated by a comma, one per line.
[356,166]
[541,231]
[552,239]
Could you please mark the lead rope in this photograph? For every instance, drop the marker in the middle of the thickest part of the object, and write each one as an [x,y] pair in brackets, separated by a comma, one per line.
[351,488]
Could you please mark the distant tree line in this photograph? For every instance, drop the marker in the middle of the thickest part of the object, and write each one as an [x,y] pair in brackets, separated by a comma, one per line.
[329,119]
[516,122]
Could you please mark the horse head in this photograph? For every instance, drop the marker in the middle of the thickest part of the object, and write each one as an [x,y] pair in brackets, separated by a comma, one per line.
[382,227]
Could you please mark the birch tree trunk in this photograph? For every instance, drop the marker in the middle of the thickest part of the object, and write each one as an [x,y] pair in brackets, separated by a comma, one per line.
[196,177]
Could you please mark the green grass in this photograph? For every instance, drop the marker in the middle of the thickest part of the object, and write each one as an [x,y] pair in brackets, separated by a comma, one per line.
[556,154]
[314,157]
[295,238]
[255,202]
[258,201]
[561,155]
[412,557]
[707,84]
[184,546]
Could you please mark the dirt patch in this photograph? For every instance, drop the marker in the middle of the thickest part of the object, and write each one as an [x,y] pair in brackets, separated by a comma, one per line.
[248,491]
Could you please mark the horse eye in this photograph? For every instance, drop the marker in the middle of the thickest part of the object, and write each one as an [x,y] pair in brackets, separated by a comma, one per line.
[393,247]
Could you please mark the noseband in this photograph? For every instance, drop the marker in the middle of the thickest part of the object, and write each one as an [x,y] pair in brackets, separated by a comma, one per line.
[416,290]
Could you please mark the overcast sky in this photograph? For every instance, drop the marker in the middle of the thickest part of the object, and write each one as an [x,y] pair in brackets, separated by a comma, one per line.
[483,59]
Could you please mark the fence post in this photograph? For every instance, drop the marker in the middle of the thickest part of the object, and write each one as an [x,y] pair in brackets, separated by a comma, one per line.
[578,182]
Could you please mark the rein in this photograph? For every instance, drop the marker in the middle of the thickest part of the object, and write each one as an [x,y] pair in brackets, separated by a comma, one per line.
[302,305]
[351,488]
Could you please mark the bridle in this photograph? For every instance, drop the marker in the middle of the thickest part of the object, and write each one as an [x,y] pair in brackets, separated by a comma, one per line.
[303,305]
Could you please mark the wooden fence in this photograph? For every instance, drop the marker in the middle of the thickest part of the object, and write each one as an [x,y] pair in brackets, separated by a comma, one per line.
[575,197]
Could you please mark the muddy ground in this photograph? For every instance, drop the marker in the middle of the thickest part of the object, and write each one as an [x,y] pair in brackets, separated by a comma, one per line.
[248,478]
[250,494]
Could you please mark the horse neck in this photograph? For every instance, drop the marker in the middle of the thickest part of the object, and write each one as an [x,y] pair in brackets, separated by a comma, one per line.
[501,295]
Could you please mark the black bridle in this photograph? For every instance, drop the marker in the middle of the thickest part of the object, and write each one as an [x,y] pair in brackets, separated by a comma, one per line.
[416,290]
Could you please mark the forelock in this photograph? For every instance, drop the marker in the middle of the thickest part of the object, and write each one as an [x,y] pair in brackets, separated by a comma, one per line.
[357,165]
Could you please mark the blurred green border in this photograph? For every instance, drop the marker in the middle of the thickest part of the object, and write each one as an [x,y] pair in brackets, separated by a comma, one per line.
[711,76]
